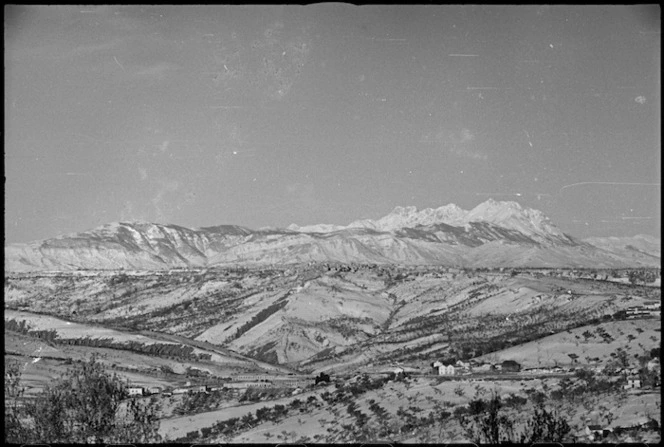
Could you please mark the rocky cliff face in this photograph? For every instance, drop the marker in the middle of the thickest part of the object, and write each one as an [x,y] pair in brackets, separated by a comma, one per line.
[493,234]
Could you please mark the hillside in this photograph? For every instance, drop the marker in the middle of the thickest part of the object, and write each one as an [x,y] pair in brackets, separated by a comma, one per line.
[628,247]
[357,323]
[322,317]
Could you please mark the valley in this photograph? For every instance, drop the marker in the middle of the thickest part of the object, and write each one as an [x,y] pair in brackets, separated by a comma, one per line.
[263,335]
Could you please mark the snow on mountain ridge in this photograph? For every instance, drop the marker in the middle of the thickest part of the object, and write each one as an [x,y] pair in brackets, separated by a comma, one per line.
[493,233]
[318,228]
[409,217]
[513,216]
[506,214]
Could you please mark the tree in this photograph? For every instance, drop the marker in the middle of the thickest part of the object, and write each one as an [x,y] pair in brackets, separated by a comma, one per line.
[484,423]
[488,426]
[322,377]
[14,430]
[86,404]
[545,426]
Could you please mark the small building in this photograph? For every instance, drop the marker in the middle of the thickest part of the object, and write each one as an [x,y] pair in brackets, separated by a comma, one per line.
[633,382]
[484,367]
[596,432]
[154,390]
[443,369]
[135,391]
[464,366]
[446,370]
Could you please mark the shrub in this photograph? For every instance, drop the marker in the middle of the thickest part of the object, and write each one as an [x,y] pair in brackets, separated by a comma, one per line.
[545,426]
[84,405]
[15,431]
[484,423]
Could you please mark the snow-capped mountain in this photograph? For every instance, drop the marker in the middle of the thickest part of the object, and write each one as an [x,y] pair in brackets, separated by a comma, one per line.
[409,217]
[508,215]
[511,215]
[493,234]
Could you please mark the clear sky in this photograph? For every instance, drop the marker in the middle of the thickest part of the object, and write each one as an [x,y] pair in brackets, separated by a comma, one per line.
[271,115]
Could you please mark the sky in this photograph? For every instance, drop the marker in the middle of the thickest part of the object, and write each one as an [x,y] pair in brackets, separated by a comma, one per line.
[270,115]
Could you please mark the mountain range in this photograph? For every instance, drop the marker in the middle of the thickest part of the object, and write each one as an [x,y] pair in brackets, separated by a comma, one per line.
[493,234]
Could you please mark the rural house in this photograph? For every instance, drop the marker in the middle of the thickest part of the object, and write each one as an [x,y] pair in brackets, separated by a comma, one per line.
[633,382]
[135,391]
[597,432]
[442,369]
[154,390]
[446,370]
[463,366]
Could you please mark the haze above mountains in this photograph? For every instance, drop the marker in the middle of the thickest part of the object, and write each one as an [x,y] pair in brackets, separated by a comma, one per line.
[493,234]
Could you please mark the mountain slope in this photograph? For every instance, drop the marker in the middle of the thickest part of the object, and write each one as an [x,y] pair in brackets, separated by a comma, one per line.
[638,246]
[493,234]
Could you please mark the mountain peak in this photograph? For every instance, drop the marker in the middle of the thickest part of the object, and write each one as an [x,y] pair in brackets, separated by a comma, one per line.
[512,215]
[502,204]
[508,214]
[492,210]
[404,210]
[409,216]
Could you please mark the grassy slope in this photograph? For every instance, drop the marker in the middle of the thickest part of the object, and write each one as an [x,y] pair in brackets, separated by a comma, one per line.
[555,349]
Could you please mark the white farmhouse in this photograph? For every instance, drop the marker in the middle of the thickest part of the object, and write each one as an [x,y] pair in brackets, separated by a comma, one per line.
[135,391]
[446,370]
[441,369]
